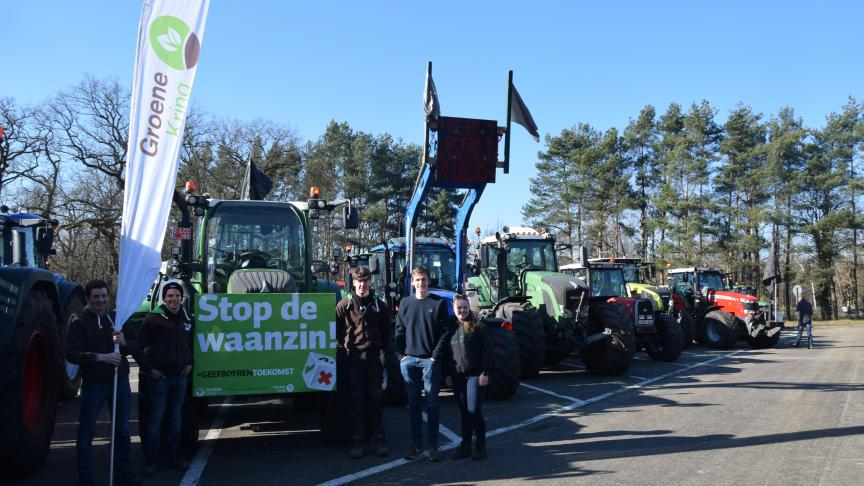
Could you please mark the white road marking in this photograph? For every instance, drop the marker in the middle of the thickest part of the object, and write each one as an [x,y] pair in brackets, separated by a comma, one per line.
[573,406]
[572,365]
[549,392]
[452,436]
[196,469]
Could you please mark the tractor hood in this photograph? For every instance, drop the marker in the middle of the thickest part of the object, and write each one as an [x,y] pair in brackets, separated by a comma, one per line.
[724,296]
[447,295]
[555,291]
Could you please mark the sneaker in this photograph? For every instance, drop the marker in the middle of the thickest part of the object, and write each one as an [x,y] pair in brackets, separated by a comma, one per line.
[150,467]
[479,452]
[381,450]
[795,345]
[811,346]
[434,453]
[179,465]
[356,452]
[413,451]
[463,452]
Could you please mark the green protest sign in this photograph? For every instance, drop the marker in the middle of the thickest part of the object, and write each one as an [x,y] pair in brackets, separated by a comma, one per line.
[264,343]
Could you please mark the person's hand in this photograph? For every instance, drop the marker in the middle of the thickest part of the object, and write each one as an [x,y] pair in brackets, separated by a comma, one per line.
[114,359]
[156,374]
[483,380]
[186,370]
[449,381]
[119,338]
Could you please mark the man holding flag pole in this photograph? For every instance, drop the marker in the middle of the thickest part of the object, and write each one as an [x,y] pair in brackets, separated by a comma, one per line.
[168,49]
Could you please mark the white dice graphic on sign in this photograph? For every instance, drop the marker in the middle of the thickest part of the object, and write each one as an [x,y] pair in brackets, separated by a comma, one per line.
[320,372]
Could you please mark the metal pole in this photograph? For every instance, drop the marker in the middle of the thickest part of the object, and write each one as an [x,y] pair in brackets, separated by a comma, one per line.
[113,418]
[507,128]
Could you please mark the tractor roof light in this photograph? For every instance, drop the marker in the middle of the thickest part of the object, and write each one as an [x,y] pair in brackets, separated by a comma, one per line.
[477,231]
[314,192]
[191,187]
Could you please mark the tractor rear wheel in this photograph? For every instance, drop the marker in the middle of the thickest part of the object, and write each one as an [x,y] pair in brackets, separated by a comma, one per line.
[688,328]
[504,380]
[28,404]
[530,336]
[611,356]
[719,330]
[667,344]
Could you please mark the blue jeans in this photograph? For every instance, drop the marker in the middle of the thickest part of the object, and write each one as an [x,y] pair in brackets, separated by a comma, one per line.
[425,372]
[469,395]
[93,395]
[166,403]
[809,326]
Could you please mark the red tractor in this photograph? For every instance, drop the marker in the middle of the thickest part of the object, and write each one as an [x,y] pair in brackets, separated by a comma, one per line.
[722,316]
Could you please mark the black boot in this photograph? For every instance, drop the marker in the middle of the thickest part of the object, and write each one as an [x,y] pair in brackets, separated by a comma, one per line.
[463,452]
[479,451]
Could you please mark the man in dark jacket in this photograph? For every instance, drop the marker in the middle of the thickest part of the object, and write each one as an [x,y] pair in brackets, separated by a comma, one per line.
[166,341]
[89,343]
[422,337]
[805,319]
[362,341]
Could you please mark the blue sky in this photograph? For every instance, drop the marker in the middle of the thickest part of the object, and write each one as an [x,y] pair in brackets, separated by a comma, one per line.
[363,62]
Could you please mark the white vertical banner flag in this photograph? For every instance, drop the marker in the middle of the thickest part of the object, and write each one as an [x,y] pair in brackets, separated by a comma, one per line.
[169,43]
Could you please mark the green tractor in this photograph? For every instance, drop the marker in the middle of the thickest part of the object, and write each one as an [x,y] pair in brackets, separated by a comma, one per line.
[657,332]
[637,274]
[257,258]
[35,307]
[516,277]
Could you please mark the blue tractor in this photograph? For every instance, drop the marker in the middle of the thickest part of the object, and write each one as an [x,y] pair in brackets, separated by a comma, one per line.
[35,306]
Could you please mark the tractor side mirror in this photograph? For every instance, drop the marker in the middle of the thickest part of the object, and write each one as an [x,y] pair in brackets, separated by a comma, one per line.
[563,246]
[19,249]
[350,217]
[44,240]
[336,252]
[320,267]
[373,265]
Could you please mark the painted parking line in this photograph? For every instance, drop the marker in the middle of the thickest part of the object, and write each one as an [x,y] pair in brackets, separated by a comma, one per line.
[550,392]
[444,430]
[196,469]
[573,406]
[572,365]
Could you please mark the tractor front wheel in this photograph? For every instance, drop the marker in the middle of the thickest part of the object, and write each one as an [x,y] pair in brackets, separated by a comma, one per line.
[667,344]
[611,356]
[719,330]
[504,380]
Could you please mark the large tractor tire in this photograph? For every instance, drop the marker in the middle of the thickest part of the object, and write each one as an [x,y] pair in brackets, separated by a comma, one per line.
[504,380]
[688,328]
[718,330]
[70,379]
[530,336]
[28,402]
[611,356]
[393,384]
[667,343]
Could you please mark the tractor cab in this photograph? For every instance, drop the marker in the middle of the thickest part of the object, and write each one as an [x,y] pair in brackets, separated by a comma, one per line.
[505,260]
[25,239]
[606,279]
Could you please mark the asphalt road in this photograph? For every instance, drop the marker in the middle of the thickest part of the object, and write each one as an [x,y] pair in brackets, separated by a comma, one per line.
[779,416]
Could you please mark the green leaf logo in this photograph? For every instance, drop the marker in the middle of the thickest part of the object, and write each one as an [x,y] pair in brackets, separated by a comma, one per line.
[174,42]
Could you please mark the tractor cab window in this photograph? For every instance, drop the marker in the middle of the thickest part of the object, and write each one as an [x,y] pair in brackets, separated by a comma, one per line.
[710,280]
[528,255]
[631,272]
[248,237]
[441,263]
[678,283]
[607,283]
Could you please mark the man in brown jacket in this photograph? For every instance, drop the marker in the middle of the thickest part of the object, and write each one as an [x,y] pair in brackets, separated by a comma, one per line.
[363,337]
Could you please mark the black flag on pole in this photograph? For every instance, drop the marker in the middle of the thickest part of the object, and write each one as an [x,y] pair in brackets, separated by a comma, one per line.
[519,113]
[256,185]
[430,99]
[772,267]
